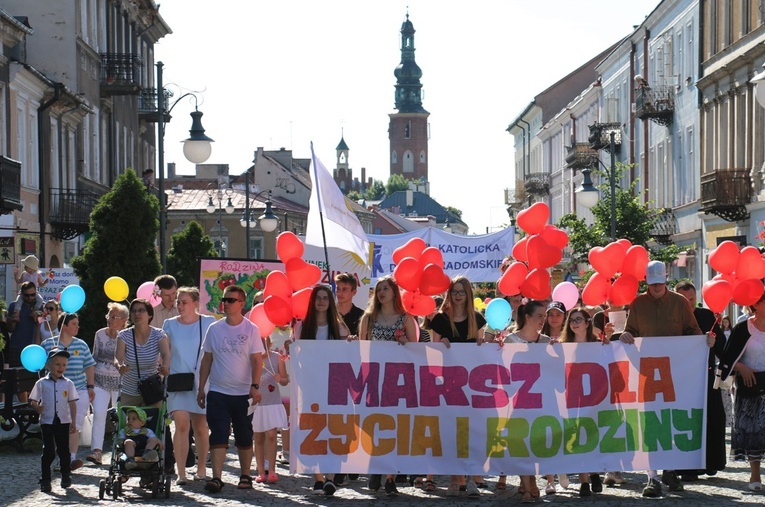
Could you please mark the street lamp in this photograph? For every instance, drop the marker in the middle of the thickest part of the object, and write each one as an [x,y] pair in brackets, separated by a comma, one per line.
[218,195]
[588,195]
[268,220]
[196,149]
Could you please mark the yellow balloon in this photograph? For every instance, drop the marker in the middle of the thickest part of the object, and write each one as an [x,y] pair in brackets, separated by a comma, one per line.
[478,304]
[116,288]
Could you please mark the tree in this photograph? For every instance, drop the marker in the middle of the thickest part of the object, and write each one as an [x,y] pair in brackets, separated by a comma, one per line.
[354,195]
[396,182]
[186,247]
[634,219]
[376,191]
[454,211]
[123,227]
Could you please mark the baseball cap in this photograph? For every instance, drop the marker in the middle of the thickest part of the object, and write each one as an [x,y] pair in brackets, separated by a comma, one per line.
[557,305]
[58,352]
[655,273]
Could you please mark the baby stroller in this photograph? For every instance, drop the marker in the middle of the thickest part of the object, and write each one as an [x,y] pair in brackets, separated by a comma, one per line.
[152,473]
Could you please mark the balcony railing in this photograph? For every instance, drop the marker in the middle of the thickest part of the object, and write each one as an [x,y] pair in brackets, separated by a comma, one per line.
[147,104]
[581,156]
[537,183]
[120,74]
[10,186]
[656,104]
[664,226]
[726,192]
[70,211]
[600,136]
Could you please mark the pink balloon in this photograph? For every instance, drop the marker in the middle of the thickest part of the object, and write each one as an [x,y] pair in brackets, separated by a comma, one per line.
[146,291]
[567,293]
[259,318]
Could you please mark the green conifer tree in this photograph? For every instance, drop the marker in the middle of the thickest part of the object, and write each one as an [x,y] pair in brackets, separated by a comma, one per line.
[186,247]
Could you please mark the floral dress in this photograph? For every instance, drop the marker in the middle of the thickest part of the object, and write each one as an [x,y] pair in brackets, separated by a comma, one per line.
[389,333]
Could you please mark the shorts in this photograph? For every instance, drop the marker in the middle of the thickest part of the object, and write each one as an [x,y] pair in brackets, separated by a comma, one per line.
[83,407]
[140,443]
[225,411]
[12,357]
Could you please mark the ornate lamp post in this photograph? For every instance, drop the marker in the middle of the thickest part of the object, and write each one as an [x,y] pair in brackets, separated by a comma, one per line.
[218,194]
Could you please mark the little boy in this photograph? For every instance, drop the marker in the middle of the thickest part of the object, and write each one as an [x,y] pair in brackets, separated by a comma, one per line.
[54,398]
[136,439]
[31,273]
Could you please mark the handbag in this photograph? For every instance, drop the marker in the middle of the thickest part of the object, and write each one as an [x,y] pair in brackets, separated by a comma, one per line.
[756,390]
[151,388]
[182,382]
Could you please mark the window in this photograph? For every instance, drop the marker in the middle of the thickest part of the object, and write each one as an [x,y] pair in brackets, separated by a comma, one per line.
[256,248]
[422,157]
[393,158]
[408,162]
[408,130]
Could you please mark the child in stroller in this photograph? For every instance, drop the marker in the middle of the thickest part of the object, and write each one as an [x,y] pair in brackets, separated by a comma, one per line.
[138,440]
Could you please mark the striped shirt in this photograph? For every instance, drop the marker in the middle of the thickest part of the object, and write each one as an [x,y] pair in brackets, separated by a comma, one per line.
[148,358]
[79,359]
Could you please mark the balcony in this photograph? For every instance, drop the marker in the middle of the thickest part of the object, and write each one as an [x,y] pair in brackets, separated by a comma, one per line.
[600,136]
[10,186]
[725,193]
[655,104]
[70,211]
[537,183]
[120,74]
[664,226]
[581,156]
[147,105]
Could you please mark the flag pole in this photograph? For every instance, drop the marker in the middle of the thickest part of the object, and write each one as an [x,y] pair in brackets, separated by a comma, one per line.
[321,218]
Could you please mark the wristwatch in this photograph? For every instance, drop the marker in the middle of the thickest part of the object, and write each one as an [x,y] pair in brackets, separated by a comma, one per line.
[256,386]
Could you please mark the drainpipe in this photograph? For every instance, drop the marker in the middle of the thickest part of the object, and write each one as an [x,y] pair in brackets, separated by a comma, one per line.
[527,153]
[523,135]
[646,179]
[633,123]
[57,87]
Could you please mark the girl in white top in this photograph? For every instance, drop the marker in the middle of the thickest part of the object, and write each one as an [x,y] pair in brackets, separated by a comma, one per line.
[51,312]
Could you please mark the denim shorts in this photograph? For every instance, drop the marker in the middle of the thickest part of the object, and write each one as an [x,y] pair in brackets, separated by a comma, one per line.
[226,411]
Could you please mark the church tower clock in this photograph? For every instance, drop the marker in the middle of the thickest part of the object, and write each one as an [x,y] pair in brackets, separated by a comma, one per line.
[408,127]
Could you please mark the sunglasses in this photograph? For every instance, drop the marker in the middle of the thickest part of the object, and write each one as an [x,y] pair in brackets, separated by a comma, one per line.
[34,295]
[231,301]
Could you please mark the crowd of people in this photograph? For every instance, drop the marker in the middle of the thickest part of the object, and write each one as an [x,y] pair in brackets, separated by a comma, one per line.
[232,379]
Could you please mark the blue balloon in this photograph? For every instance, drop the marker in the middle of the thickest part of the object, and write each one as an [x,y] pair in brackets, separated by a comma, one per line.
[498,313]
[72,298]
[33,358]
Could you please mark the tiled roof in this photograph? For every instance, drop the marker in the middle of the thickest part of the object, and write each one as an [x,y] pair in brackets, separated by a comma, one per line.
[195,199]
[422,204]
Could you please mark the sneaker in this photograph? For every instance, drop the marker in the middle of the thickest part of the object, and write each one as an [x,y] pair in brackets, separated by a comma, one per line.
[94,457]
[339,479]
[670,478]
[329,488]
[151,456]
[285,458]
[472,490]
[375,481]
[76,463]
[613,478]
[689,477]
[66,482]
[652,489]
[45,486]
[130,464]
[584,489]
[318,488]
[453,489]
[563,481]
[595,483]
[390,487]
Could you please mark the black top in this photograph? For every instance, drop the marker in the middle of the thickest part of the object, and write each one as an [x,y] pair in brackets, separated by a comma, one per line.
[352,319]
[706,319]
[440,324]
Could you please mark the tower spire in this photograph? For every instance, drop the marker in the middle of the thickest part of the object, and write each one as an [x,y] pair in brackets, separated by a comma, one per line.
[408,73]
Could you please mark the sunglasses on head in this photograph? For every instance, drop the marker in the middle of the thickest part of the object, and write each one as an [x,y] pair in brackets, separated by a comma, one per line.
[230,301]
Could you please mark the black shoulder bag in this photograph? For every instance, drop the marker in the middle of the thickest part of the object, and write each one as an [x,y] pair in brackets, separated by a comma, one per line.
[182,382]
[151,388]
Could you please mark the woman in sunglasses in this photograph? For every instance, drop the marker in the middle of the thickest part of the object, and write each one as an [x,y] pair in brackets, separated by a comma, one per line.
[51,311]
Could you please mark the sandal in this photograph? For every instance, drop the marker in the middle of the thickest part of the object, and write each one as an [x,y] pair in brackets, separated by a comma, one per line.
[429,486]
[417,483]
[261,479]
[214,485]
[550,489]
[245,482]
[527,498]
[273,478]
[534,490]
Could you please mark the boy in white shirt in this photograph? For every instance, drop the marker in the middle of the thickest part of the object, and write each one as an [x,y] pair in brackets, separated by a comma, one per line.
[54,397]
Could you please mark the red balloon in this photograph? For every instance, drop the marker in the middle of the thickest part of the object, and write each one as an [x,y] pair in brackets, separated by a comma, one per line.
[258,317]
[541,254]
[554,236]
[512,279]
[415,303]
[301,274]
[607,260]
[519,250]
[623,290]
[635,262]
[724,258]
[432,255]
[300,302]
[434,281]
[408,273]
[537,285]
[750,264]
[413,248]
[533,219]
[624,242]
[597,290]
[277,284]
[278,310]
[730,278]
[288,246]
[748,292]
[717,294]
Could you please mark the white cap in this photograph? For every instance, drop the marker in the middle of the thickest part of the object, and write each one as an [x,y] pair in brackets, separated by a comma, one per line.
[655,273]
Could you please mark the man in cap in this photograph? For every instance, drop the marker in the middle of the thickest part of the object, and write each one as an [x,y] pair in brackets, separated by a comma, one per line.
[660,312]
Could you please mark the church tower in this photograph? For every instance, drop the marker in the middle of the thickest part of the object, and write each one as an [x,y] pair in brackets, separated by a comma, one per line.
[343,174]
[408,127]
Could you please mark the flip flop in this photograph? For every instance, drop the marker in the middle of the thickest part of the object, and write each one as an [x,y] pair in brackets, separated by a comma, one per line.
[755,486]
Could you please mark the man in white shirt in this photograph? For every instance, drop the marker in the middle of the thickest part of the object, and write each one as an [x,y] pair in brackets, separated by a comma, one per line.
[167,308]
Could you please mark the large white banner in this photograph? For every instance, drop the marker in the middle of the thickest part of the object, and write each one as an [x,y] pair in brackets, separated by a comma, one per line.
[380,407]
[478,257]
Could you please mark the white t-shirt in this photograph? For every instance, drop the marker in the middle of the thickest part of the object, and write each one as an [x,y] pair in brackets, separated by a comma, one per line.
[231,348]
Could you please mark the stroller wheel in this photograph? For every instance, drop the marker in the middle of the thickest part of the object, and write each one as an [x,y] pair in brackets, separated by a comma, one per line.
[155,489]
[116,489]
[101,488]
[168,482]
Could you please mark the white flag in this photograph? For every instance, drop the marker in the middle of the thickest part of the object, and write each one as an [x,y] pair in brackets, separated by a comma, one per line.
[342,228]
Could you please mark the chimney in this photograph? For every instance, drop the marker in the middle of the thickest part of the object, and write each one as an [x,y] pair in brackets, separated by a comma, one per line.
[409,198]
[363,175]
[170,170]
